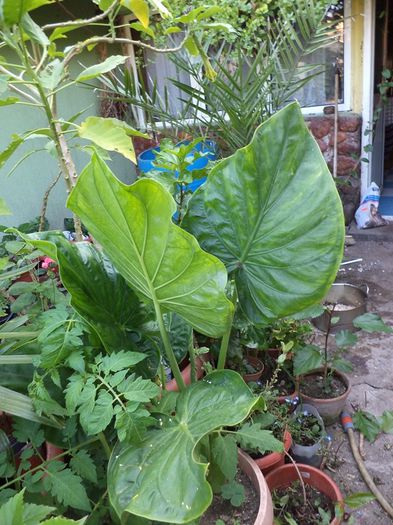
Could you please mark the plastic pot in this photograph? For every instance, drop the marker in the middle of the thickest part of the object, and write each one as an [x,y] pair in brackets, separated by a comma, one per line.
[252,471]
[347,294]
[274,459]
[282,477]
[308,454]
[258,365]
[329,409]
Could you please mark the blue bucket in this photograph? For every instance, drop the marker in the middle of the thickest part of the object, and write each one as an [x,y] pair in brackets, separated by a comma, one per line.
[147,157]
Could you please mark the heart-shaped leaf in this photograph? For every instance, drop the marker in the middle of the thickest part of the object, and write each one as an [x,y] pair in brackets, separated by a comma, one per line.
[161,478]
[160,261]
[272,214]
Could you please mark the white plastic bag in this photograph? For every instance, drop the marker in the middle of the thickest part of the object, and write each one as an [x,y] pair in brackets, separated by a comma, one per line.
[367,215]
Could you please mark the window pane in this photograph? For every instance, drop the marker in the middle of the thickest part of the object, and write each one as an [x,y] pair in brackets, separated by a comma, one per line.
[321,89]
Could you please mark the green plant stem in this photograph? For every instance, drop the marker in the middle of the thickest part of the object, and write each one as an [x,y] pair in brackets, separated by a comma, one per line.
[325,350]
[105,445]
[193,363]
[34,469]
[168,349]
[226,337]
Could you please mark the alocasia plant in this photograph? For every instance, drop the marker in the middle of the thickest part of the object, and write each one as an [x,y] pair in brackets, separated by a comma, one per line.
[272,214]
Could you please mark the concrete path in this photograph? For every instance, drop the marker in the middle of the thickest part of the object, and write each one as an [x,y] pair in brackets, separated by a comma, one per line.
[372,378]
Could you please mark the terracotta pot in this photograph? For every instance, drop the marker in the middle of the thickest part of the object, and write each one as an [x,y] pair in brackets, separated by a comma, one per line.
[274,459]
[329,409]
[252,471]
[171,385]
[283,476]
[258,365]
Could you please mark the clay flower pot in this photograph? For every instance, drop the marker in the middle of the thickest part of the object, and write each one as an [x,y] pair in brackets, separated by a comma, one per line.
[171,385]
[274,459]
[329,409]
[283,476]
[252,471]
[258,365]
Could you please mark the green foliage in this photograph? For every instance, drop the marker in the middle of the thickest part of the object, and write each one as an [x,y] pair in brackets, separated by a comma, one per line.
[367,424]
[371,322]
[252,437]
[170,471]
[371,426]
[65,486]
[108,389]
[175,160]
[98,292]
[274,268]
[16,512]
[110,134]
[234,492]
[161,262]
[307,358]
[224,455]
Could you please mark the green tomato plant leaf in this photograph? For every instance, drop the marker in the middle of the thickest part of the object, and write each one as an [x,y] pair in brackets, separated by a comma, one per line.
[161,262]
[272,214]
[111,134]
[161,478]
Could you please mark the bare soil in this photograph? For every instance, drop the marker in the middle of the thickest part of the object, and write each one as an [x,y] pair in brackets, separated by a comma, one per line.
[222,509]
[314,384]
[303,512]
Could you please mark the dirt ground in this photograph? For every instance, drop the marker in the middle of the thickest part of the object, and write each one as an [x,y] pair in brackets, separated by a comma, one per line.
[372,380]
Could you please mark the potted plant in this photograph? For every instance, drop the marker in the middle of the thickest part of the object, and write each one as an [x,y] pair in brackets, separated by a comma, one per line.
[182,168]
[158,268]
[272,426]
[305,495]
[324,383]
[308,433]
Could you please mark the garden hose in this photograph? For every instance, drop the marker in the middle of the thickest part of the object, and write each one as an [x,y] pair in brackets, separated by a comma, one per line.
[347,424]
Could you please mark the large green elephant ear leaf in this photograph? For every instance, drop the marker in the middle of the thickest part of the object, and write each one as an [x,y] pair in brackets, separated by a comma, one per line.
[272,214]
[160,261]
[161,478]
[98,292]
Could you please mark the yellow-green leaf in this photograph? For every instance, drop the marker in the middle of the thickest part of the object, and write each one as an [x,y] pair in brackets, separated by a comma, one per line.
[140,8]
[111,134]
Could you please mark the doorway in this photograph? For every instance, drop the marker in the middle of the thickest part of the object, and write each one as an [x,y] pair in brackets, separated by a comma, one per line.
[382,157]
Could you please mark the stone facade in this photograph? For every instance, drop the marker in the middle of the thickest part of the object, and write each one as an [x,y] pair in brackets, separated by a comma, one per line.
[348,140]
[349,151]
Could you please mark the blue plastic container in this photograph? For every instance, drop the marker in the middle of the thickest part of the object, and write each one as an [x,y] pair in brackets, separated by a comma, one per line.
[147,157]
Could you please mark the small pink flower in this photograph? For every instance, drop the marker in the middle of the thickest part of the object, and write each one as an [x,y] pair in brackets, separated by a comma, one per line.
[48,263]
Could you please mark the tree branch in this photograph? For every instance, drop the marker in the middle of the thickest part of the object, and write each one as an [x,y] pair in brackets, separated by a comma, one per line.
[78,48]
[85,21]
